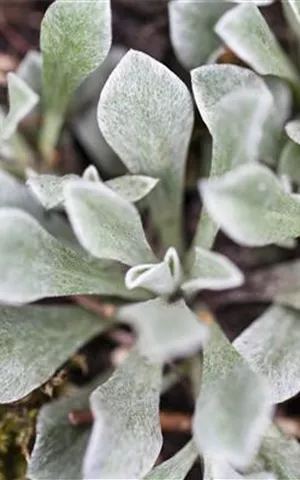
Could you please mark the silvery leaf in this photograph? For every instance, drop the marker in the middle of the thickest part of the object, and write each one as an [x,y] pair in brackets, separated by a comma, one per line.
[126,436]
[59,446]
[191,30]
[235,104]
[22,99]
[75,39]
[133,187]
[46,337]
[247,34]
[293,130]
[177,467]
[165,330]
[281,455]
[145,113]
[49,189]
[233,409]
[216,469]
[252,207]
[106,225]
[30,70]
[36,265]
[210,270]
[271,346]
[14,194]
[160,278]
[289,161]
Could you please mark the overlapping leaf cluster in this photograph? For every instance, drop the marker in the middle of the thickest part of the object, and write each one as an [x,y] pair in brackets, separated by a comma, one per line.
[145,114]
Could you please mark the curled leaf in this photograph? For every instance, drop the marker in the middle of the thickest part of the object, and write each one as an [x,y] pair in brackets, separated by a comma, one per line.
[177,467]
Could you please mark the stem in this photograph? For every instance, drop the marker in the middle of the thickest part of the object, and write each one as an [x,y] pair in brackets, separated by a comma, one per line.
[51,128]
[206,232]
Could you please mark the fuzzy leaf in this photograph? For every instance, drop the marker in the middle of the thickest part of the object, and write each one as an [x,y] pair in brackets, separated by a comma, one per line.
[293,130]
[211,270]
[252,207]
[146,115]
[233,409]
[133,187]
[177,467]
[75,39]
[216,469]
[271,346]
[161,278]
[14,194]
[46,337]
[191,30]
[106,224]
[49,188]
[289,161]
[234,103]
[166,330]
[30,70]
[280,455]
[247,34]
[21,101]
[36,265]
[126,412]
[59,446]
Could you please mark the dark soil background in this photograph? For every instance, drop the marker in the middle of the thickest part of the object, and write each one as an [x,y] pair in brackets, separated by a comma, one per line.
[143,25]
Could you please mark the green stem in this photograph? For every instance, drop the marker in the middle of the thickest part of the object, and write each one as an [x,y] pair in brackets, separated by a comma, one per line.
[50,132]
[206,232]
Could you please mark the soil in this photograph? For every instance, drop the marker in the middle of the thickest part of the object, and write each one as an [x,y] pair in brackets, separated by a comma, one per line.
[143,25]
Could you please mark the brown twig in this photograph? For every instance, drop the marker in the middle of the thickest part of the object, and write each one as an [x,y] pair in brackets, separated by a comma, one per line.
[175,422]
[105,310]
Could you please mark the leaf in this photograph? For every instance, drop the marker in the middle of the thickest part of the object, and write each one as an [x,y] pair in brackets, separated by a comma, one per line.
[289,161]
[177,467]
[271,345]
[247,34]
[235,104]
[293,130]
[36,341]
[30,70]
[165,330]
[281,455]
[49,188]
[106,224]
[91,174]
[145,113]
[133,187]
[14,194]
[75,39]
[252,207]
[210,270]
[21,101]
[216,469]
[59,446]
[36,265]
[233,409]
[126,412]
[191,30]
[160,278]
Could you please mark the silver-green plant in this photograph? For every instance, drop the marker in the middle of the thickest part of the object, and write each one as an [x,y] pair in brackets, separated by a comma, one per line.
[145,114]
